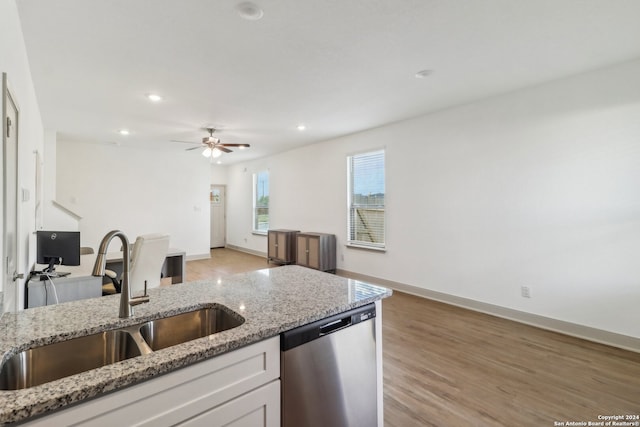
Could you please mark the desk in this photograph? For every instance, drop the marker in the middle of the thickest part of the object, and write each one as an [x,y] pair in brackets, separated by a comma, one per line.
[68,288]
[174,265]
[80,284]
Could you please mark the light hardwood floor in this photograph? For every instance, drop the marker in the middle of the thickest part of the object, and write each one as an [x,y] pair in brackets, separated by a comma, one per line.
[224,262]
[447,366]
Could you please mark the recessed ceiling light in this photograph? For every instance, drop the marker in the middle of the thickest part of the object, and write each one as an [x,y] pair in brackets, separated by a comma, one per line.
[154,97]
[423,73]
[124,132]
[301,127]
[249,11]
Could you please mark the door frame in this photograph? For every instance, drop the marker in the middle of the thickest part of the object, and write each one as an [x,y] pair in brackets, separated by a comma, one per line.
[7,96]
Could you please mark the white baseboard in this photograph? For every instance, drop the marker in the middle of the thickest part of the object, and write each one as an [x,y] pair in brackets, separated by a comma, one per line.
[573,329]
[194,257]
[246,250]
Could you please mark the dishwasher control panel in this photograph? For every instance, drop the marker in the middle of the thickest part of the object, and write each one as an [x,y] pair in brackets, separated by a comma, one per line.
[303,334]
[369,314]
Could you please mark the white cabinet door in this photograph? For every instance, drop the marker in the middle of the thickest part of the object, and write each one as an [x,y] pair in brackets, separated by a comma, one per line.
[259,408]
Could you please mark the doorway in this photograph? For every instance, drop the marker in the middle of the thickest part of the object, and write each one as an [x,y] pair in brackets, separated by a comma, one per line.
[218,216]
[10,128]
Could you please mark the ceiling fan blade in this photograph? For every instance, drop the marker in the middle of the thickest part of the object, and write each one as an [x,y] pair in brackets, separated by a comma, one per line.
[185,142]
[192,148]
[223,149]
[236,145]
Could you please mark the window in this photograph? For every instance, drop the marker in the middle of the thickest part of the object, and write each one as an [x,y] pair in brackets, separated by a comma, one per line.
[366,200]
[261,202]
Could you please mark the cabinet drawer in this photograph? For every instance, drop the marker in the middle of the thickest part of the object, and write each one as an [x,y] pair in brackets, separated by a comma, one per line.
[258,408]
[178,395]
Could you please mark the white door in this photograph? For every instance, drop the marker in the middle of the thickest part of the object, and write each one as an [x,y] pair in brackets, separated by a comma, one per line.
[218,223]
[10,203]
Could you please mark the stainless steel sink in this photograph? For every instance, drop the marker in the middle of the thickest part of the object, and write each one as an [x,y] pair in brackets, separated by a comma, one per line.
[50,362]
[54,361]
[169,331]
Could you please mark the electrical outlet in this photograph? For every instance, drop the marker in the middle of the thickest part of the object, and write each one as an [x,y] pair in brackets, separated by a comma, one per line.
[525,291]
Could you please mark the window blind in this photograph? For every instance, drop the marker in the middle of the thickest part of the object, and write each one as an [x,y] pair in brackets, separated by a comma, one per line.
[367,199]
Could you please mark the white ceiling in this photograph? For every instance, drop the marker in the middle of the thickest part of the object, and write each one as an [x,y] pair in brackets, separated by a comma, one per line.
[338,66]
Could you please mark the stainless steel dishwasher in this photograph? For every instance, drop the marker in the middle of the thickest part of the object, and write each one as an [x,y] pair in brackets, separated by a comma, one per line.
[328,372]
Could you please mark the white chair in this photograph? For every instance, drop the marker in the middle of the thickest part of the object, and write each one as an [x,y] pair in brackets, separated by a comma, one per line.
[147,257]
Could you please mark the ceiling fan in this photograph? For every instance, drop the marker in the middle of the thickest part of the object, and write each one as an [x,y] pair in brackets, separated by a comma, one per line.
[213,147]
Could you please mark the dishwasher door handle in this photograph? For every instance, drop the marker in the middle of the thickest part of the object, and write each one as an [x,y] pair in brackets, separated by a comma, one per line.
[335,325]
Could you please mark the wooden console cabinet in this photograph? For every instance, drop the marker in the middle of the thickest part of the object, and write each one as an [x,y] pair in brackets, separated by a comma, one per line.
[316,250]
[281,246]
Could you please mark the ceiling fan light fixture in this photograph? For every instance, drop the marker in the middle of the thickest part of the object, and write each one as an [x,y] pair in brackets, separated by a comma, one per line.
[207,152]
[216,153]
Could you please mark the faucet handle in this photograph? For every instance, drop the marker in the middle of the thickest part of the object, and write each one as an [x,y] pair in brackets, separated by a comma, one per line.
[141,299]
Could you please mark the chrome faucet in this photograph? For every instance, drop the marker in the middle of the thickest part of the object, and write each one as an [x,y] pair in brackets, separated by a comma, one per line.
[126,300]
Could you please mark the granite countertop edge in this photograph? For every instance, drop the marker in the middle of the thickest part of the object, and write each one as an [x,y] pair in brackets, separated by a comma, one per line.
[271,301]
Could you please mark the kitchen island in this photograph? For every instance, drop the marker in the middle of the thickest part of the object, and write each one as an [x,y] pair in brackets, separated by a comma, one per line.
[270,301]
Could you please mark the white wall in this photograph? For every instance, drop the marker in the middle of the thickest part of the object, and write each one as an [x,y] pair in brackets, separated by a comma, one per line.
[534,188]
[218,174]
[54,218]
[14,62]
[137,191]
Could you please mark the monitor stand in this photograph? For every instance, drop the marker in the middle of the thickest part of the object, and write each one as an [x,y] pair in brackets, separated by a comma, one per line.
[51,269]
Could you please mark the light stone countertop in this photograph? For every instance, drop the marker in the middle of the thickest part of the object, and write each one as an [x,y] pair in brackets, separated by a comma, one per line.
[271,301]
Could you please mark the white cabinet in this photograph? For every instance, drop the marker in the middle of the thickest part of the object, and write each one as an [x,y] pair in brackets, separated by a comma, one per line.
[240,388]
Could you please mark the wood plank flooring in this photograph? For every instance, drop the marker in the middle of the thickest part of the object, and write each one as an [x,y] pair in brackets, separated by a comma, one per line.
[447,366]
[224,262]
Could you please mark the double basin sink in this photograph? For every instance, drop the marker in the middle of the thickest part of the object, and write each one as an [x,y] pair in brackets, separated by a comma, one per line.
[50,362]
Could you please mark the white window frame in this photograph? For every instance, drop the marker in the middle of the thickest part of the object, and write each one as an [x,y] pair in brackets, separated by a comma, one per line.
[380,231]
[255,228]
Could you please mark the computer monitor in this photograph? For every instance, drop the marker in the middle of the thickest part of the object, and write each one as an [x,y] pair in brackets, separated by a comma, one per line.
[58,248]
